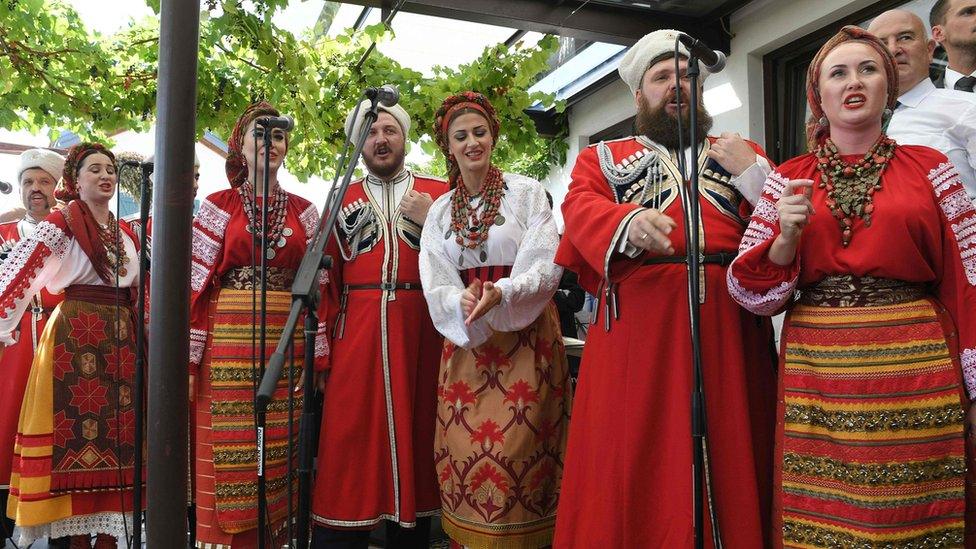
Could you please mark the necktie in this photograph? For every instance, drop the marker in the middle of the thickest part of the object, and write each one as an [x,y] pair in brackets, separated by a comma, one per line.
[887,121]
[965,83]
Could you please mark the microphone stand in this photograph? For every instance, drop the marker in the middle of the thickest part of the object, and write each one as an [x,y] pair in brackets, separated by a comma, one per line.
[693,260]
[305,295]
[140,375]
[261,411]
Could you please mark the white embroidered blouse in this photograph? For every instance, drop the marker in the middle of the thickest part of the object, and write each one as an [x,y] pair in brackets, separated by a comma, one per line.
[49,258]
[526,241]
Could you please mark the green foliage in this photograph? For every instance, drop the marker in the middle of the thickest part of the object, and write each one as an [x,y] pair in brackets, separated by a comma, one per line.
[58,74]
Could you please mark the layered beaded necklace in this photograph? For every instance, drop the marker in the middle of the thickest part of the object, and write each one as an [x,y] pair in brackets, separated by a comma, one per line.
[471,222]
[111,238]
[851,185]
[277,232]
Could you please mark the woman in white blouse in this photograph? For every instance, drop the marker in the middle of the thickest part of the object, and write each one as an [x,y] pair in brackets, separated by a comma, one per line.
[486,263]
[74,451]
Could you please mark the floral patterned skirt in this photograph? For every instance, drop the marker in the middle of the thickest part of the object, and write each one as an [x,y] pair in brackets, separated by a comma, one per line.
[502,417]
[73,456]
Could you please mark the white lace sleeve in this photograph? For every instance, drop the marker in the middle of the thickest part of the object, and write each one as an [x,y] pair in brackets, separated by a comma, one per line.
[32,263]
[534,277]
[442,283]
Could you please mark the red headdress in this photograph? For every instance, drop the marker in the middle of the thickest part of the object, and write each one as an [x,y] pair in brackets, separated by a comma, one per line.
[78,215]
[452,107]
[816,131]
[68,189]
[236,165]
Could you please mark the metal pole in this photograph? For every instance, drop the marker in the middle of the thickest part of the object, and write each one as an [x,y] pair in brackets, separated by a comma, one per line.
[262,411]
[692,228]
[139,402]
[699,430]
[169,321]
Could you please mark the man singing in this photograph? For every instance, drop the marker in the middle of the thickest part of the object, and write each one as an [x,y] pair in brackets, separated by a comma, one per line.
[627,480]
[376,450]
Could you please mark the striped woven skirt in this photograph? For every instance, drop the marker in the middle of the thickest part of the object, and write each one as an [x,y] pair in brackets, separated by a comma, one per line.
[870,441]
[226,448]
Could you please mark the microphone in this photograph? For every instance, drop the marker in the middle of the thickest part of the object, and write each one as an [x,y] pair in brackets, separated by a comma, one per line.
[286,123]
[386,95]
[713,60]
[6,188]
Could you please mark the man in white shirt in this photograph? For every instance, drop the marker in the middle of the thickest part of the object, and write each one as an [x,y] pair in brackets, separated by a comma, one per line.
[954,26]
[943,119]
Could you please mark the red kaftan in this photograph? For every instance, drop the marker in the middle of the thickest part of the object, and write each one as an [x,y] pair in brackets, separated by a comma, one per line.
[627,480]
[923,230]
[15,363]
[376,454]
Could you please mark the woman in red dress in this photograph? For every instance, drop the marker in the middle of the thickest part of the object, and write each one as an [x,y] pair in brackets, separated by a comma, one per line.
[223,329]
[870,247]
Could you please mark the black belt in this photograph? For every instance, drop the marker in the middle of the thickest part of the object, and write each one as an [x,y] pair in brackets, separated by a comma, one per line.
[722,258]
[388,286]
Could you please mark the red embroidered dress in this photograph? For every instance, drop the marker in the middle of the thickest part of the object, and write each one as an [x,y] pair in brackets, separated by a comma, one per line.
[870,432]
[503,396]
[628,479]
[73,459]
[376,455]
[221,318]
[15,363]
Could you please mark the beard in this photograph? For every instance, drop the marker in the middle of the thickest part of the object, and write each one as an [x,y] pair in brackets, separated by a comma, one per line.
[385,169]
[661,127]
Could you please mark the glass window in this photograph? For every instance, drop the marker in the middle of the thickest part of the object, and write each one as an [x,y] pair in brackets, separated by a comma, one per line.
[786,72]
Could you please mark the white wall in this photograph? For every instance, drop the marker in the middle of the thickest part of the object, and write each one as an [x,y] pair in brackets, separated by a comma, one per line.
[606,107]
[759,28]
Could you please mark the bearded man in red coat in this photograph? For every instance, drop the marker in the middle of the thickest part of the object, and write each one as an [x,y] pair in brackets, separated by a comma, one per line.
[376,448]
[627,479]
[38,175]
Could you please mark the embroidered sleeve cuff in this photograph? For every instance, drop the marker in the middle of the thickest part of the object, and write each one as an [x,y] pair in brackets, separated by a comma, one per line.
[968,359]
[766,303]
[321,341]
[198,340]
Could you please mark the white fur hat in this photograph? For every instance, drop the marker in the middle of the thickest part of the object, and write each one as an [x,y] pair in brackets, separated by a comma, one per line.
[45,159]
[653,47]
[396,111]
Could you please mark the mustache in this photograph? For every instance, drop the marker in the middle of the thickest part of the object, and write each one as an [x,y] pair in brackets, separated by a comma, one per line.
[35,194]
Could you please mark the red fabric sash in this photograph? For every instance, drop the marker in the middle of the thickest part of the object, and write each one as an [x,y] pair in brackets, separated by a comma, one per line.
[103,295]
[485,273]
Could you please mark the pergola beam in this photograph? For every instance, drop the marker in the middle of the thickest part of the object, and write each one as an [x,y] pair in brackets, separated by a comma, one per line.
[589,21]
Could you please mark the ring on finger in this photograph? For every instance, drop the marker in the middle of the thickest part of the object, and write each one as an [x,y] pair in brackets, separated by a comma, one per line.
[644,236]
